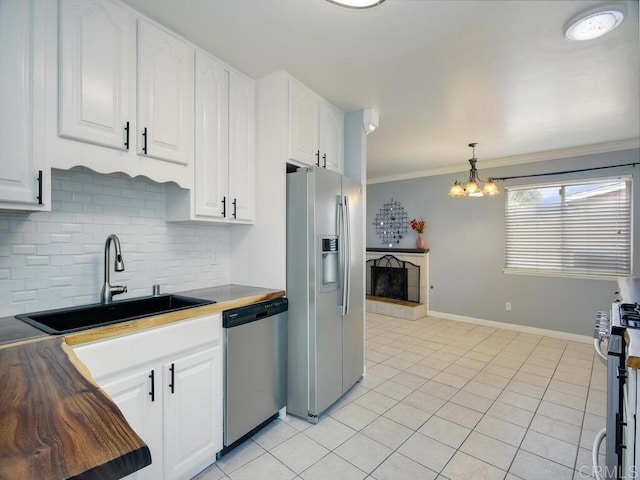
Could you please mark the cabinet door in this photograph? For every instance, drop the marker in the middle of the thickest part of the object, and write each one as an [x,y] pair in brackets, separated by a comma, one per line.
[97,42]
[331,137]
[165,96]
[303,124]
[211,138]
[192,413]
[19,158]
[241,148]
[131,393]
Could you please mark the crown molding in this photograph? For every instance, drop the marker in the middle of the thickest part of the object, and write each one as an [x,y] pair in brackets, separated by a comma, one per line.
[605,147]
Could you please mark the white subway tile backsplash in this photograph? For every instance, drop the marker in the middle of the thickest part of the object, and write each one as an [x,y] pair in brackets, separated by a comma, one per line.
[37,260]
[54,259]
[23,249]
[24,296]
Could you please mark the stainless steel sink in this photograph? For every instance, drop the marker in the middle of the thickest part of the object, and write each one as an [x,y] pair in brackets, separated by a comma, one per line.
[67,320]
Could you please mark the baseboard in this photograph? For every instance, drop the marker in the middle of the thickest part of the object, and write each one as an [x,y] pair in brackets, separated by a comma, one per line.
[574,337]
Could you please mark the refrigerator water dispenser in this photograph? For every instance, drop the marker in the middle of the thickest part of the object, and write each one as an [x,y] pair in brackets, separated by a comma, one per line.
[330,262]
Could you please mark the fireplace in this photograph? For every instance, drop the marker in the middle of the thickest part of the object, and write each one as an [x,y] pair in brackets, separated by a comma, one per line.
[390,277]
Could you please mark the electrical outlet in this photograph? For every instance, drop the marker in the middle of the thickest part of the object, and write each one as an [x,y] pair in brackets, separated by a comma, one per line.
[507,306]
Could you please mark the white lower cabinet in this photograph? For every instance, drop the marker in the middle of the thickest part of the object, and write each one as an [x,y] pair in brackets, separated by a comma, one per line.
[167,382]
[192,425]
[130,391]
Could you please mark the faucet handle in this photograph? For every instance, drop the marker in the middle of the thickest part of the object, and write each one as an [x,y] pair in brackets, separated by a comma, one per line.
[118,289]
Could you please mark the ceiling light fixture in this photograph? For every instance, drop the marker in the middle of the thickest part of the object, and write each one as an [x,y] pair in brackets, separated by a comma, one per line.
[357,3]
[472,187]
[594,23]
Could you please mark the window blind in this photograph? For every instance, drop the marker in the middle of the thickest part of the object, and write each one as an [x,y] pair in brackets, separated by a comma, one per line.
[579,228]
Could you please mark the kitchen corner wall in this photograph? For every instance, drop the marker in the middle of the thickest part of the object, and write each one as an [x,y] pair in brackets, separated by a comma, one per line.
[466,238]
[55,259]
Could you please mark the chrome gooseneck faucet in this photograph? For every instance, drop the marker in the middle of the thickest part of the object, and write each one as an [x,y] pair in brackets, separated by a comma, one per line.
[108,290]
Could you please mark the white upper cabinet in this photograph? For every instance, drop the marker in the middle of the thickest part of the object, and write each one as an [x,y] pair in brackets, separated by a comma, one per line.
[165,95]
[97,40]
[211,187]
[303,124]
[121,94]
[24,180]
[330,136]
[224,173]
[316,129]
[242,148]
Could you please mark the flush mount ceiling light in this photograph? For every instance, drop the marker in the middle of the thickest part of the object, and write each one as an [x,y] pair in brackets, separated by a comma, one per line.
[357,3]
[472,187]
[594,23]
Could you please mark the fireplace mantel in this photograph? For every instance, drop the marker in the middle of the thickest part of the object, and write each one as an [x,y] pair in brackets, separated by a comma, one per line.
[397,250]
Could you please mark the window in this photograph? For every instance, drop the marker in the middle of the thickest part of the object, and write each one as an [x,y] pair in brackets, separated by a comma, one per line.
[573,228]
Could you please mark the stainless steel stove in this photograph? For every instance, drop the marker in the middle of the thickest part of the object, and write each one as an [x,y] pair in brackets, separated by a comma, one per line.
[619,434]
[629,315]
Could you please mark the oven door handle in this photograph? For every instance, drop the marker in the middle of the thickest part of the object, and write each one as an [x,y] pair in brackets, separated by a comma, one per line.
[594,453]
[597,344]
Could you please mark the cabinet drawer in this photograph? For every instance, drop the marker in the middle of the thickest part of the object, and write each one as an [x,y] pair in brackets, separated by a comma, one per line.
[119,353]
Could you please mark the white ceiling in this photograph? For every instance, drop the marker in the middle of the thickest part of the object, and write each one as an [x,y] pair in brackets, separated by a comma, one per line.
[441,73]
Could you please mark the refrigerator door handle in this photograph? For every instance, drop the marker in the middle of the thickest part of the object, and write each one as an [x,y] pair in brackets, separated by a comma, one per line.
[347,263]
[341,251]
[345,252]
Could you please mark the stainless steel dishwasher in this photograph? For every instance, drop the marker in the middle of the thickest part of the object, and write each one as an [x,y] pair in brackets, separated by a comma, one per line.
[255,367]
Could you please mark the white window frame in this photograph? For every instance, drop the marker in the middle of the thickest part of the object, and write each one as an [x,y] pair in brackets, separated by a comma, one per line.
[516,262]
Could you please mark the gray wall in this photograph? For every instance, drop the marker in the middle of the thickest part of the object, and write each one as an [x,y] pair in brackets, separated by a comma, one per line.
[466,238]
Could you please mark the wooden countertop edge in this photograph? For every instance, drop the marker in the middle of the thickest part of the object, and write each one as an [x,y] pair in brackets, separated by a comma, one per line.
[26,341]
[633,362]
[100,333]
[633,345]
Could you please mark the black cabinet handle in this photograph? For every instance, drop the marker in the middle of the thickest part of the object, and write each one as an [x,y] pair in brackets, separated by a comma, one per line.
[144,141]
[39,197]
[324,157]
[318,158]
[172,369]
[153,386]
[235,207]
[224,206]
[126,136]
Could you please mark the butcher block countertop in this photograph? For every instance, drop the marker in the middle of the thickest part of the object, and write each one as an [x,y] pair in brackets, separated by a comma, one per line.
[632,337]
[55,422]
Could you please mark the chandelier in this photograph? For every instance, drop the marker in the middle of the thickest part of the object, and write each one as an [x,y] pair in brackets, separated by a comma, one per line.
[472,187]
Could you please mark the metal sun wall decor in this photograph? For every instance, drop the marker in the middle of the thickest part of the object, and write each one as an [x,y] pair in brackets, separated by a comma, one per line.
[391,222]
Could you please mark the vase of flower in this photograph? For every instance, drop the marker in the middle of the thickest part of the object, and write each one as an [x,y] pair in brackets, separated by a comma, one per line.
[418,226]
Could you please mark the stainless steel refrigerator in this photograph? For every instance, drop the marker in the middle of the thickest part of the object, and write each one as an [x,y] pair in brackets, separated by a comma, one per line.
[325,287]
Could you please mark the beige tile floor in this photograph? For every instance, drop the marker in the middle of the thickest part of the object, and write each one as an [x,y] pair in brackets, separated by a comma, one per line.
[443,400]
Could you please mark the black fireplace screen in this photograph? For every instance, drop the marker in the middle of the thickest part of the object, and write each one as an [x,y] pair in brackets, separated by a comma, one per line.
[391,277]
